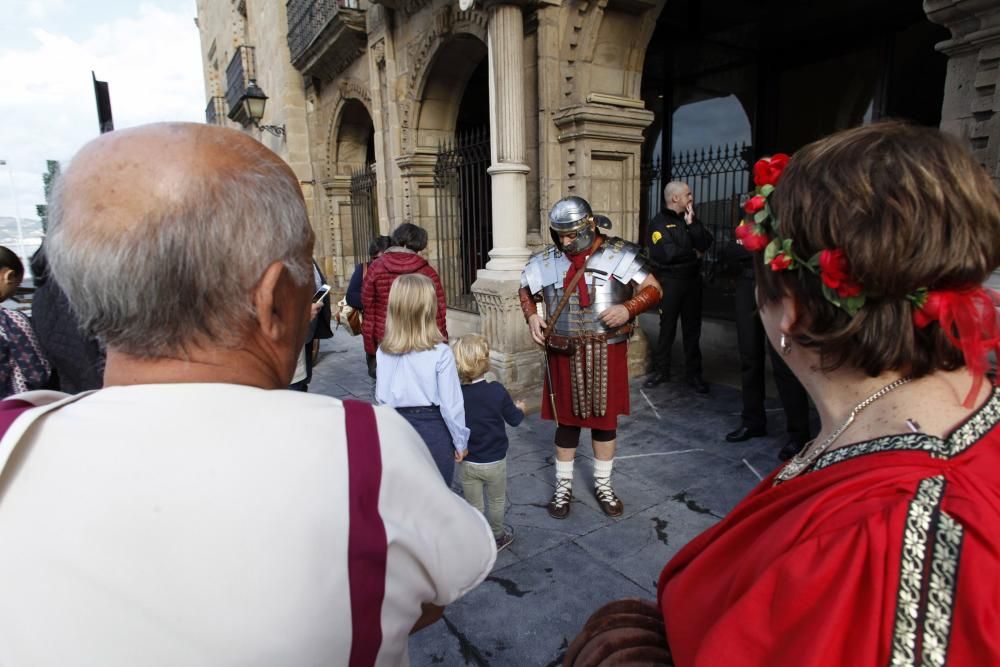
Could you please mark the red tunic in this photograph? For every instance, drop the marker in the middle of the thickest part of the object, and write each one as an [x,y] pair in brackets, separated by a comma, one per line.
[886,552]
[618,393]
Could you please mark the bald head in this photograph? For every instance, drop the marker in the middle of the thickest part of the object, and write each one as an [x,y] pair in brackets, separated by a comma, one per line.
[116,181]
[159,232]
[677,196]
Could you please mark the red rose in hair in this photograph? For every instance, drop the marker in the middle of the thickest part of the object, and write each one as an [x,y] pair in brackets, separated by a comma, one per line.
[835,272]
[781,262]
[754,204]
[767,171]
[752,237]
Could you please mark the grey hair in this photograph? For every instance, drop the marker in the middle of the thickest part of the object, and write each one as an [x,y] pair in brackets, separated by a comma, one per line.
[183,274]
[673,188]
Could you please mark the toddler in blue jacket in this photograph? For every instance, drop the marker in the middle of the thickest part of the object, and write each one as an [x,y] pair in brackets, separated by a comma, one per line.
[487,407]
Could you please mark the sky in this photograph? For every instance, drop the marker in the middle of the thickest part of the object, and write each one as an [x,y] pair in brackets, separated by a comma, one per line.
[147,51]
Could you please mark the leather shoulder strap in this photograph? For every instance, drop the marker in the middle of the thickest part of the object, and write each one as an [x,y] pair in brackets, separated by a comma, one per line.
[570,289]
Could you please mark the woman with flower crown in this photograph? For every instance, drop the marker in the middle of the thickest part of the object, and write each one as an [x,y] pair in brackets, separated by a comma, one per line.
[879,543]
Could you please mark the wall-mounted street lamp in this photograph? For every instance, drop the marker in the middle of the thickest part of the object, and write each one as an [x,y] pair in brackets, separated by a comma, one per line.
[253,102]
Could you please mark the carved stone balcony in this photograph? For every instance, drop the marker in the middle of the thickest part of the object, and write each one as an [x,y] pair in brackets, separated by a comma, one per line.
[325,36]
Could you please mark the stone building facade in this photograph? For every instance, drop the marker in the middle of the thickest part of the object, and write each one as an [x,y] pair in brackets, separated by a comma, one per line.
[385,104]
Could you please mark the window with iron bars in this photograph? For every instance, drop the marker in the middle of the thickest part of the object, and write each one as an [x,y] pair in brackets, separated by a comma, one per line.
[463,203]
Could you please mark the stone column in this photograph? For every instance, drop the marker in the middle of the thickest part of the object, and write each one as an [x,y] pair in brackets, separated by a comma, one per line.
[508,172]
[971,107]
[516,360]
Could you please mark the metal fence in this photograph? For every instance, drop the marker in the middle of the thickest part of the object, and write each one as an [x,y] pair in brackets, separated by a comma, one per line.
[462,199]
[364,210]
[308,18]
[718,175]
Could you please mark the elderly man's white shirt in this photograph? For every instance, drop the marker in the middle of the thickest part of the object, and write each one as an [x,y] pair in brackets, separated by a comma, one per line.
[207,524]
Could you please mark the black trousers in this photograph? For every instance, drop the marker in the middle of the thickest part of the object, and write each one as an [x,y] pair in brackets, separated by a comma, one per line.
[681,300]
[752,343]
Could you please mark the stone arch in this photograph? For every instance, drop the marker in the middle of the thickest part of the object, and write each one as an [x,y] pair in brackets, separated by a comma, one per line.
[352,103]
[436,110]
[424,57]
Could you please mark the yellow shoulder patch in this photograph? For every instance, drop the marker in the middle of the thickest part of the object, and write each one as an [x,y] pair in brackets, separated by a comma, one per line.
[657,236]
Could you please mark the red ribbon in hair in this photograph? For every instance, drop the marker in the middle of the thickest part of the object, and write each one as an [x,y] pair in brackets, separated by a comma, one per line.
[969,319]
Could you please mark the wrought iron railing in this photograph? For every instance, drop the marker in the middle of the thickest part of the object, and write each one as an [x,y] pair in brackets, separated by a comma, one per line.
[307,18]
[462,198]
[215,112]
[364,210]
[238,74]
[718,176]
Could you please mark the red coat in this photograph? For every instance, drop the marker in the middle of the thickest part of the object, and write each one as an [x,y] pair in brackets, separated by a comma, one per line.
[886,553]
[375,292]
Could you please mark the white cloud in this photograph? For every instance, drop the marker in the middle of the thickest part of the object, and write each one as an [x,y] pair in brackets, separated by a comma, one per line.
[151,60]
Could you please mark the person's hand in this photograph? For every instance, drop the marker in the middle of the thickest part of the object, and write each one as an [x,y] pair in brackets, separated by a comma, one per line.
[615,316]
[314,310]
[689,213]
[459,455]
[521,406]
[537,326]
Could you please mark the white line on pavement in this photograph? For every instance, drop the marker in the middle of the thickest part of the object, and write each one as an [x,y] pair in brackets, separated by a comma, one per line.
[639,456]
[753,470]
[651,406]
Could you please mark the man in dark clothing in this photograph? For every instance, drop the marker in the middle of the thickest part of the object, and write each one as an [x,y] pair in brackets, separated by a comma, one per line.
[676,241]
[76,358]
[752,343]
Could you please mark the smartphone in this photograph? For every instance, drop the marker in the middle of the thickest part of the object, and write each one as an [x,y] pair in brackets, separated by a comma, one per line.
[323,290]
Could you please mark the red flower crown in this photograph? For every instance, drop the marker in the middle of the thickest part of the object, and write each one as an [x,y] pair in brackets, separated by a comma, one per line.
[968,316]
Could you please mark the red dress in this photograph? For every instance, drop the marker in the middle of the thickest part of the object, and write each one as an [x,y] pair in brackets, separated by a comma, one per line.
[886,552]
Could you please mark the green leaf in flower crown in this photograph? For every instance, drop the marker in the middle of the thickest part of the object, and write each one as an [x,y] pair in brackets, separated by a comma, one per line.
[771,251]
[761,215]
[918,297]
[853,304]
[765,190]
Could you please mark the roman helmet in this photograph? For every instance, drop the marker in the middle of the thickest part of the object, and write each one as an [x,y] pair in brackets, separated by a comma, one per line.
[568,215]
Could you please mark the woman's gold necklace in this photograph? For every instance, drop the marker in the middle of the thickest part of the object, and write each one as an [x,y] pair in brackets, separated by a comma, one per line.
[809,453]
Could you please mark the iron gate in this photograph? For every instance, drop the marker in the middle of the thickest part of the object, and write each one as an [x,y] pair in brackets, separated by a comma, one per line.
[719,176]
[462,198]
[364,210]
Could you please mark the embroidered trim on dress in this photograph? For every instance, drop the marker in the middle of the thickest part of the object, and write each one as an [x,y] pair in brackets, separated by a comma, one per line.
[971,431]
[943,575]
[911,570]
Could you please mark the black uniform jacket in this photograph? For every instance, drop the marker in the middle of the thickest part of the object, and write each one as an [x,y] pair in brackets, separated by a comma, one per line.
[673,245]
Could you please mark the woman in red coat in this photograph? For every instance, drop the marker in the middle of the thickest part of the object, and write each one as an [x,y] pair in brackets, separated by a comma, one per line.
[879,543]
[401,258]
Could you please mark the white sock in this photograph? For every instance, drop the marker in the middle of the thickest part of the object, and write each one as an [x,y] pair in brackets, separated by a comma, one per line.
[602,469]
[564,470]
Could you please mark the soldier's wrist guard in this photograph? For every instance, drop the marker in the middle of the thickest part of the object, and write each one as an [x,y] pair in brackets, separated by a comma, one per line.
[647,298]
[528,306]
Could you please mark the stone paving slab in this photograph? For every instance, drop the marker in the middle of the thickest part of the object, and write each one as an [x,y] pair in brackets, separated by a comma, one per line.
[675,474]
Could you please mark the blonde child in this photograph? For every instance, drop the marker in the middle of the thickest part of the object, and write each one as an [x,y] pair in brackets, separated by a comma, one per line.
[415,372]
[487,407]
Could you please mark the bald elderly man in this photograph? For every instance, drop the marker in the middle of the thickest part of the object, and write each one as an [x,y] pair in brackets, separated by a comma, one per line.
[188,513]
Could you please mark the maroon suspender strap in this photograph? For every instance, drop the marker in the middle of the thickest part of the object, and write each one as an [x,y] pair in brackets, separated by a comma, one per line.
[366,540]
[10,410]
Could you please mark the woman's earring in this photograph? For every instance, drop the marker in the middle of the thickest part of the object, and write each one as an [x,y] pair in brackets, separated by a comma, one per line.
[786,347]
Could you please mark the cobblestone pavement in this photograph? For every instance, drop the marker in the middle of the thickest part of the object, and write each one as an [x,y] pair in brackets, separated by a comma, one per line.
[674,472]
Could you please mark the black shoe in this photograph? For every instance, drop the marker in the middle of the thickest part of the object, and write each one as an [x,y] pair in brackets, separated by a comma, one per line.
[656,380]
[791,448]
[744,433]
[698,384]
